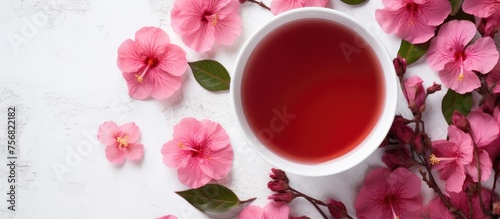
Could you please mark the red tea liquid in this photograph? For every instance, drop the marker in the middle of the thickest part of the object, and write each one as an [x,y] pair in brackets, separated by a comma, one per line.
[312,90]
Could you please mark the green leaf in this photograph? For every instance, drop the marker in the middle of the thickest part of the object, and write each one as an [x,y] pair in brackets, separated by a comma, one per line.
[455,6]
[211,198]
[454,101]
[354,2]
[412,52]
[211,75]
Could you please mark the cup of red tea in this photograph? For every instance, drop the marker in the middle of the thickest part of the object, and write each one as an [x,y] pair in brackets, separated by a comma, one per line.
[314,92]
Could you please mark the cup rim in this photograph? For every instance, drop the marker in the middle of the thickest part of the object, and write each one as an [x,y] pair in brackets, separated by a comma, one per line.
[371,141]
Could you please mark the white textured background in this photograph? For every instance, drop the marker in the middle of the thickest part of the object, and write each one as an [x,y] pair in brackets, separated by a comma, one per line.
[63,80]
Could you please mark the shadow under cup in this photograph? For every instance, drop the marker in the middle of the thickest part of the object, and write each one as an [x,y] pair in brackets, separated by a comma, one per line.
[314,92]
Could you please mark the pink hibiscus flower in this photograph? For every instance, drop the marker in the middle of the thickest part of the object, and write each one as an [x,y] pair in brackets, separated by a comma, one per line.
[455,61]
[481,8]
[437,210]
[203,23]
[273,210]
[415,93]
[200,150]
[450,157]
[280,6]
[413,20]
[387,194]
[121,141]
[151,65]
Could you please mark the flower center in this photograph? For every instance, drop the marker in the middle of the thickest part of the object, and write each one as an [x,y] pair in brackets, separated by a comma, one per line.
[150,62]
[460,55]
[122,142]
[195,152]
[391,200]
[213,19]
[412,8]
[435,160]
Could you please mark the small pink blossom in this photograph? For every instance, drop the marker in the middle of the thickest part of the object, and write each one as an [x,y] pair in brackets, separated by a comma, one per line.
[151,65]
[203,23]
[168,217]
[200,151]
[273,210]
[413,20]
[121,141]
[484,131]
[437,210]
[455,60]
[481,8]
[387,194]
[450,158]
[415,93]
[280,6]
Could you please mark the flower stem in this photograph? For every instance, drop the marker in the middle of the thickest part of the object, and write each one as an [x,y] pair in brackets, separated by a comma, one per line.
[311,200]
[260,3]
[432,184]
[247,201]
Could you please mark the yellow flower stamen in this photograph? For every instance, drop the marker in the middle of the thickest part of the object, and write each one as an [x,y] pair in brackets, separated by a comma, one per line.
[433,159]
[215,19]
[140,78]
[122,142]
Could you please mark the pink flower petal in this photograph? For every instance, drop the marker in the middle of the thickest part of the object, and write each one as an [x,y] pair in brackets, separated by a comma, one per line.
[164,84]
[151,39]
[481,8]
[486,166]
[393,5]
[136,90]
[251,212]
[316,3]
[130,57]
[437,210]
[135,151]
[131,131]
[192,176]
[187,127]
[468,83]
[174,61]
[434,12]
[173,156]
[280,6]
[106,133]
[115,155]
[454,175]
[228,28]
[463,142]
[481,56]
[168,217]
[276,210]
[214,132]
[483,128]
[219,163]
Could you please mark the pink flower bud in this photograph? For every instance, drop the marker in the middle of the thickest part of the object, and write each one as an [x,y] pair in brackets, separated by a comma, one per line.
[415,93]
[395,158]
[278,174]
[432,89]
[337,209]
[282,197]
[488,27]
[460,121]
[400,65]
[405,134]
[419,143]
[277,185]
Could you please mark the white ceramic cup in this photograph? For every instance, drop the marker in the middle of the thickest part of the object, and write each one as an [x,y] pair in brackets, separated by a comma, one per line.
[372,140]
